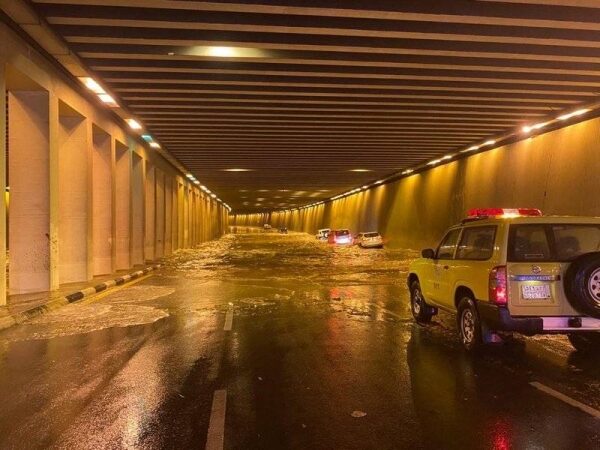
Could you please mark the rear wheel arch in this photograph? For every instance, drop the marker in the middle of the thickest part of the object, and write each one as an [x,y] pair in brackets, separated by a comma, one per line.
[460,293]
[412,278]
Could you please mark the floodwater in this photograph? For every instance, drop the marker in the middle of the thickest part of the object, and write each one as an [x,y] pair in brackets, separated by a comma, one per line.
[314,346]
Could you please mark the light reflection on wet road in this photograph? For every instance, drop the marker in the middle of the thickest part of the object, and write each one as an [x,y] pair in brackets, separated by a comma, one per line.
[319,333]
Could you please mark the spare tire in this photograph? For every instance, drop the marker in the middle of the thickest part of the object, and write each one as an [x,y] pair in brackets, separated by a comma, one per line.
[582,284]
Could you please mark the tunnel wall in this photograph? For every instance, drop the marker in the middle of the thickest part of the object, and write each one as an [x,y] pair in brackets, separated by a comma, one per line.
[89,197]
[556,171]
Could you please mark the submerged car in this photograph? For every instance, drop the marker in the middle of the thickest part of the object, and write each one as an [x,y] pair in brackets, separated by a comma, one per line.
[340,237]
[513,270]
[323,234]
[371,239]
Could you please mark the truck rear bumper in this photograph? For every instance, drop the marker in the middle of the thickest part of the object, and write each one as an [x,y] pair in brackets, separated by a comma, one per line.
[499,319]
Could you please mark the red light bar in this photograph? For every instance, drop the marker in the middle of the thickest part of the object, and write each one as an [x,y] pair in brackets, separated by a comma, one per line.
[506,212]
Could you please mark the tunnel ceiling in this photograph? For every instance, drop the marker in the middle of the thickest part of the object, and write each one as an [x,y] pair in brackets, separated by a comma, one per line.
[304,93]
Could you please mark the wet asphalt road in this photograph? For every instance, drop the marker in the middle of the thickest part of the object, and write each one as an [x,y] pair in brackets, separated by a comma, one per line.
[322,354]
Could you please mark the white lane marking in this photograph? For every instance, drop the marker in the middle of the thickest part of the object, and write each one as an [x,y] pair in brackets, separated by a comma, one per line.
[216,426]
[568,400]
[228,320]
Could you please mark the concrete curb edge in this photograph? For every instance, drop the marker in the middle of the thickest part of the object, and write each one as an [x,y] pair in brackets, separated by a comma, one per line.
[54,304]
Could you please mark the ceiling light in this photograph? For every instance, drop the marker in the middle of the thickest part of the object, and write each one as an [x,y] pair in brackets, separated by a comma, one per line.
[537,126]
[360,170]
[407,171]
[92,85]
[434,162]
[133,124]
[221,52]
[379,182]
[154,145]
[471,149]
[446,157]
[490,142]
[579,112]
[190,176]
[196,182]
[213,195]
[237,170]
[365,187]
[108,100]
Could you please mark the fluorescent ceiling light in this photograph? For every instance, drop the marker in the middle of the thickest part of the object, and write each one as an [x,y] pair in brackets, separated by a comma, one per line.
[108,100]
[92,85]
[237,170]
[537,126]
[434,162]
[579,112]
[360,170]
[490,142]
[134,124]
[222,52]
[154,145]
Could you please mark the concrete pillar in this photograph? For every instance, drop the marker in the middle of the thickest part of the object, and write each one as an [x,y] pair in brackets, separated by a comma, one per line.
[186,217]
[3,143]
[150,212]
[29,218]
[168,215]
[102,211]
[53,189]
[122,196]
[138,208]
[175,216]
[159,245]
[180,216]
[73,192]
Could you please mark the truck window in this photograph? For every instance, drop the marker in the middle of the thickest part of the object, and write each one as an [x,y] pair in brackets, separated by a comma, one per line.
[529,243]
[448,245]
[477,243]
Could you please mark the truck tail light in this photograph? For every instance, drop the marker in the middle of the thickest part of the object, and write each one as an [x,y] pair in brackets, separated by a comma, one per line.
[498,286]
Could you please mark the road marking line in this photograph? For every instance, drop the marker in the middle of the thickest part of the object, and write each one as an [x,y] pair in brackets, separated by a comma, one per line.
[216,426]
[228,320]
[560,396]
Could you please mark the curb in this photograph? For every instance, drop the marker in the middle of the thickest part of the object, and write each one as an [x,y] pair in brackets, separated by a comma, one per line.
[57,303]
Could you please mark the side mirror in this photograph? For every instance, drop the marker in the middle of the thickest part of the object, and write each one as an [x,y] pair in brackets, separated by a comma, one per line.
[428,253]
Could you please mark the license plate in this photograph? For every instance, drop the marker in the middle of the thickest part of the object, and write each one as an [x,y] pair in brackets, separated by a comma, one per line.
[537,292]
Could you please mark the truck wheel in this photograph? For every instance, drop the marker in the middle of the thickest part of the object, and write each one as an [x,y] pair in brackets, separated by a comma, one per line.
[469,325]
[582,284]
[420,310]
[585,342]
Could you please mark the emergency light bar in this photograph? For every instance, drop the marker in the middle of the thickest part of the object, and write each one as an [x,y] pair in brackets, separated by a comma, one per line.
[503,212]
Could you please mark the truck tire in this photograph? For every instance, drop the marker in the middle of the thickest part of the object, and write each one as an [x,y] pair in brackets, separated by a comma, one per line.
[582,284]
[586,342]
[469,325]
[421,311]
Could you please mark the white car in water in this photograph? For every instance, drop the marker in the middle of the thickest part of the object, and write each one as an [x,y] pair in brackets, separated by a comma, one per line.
[370,239]
[323,234]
